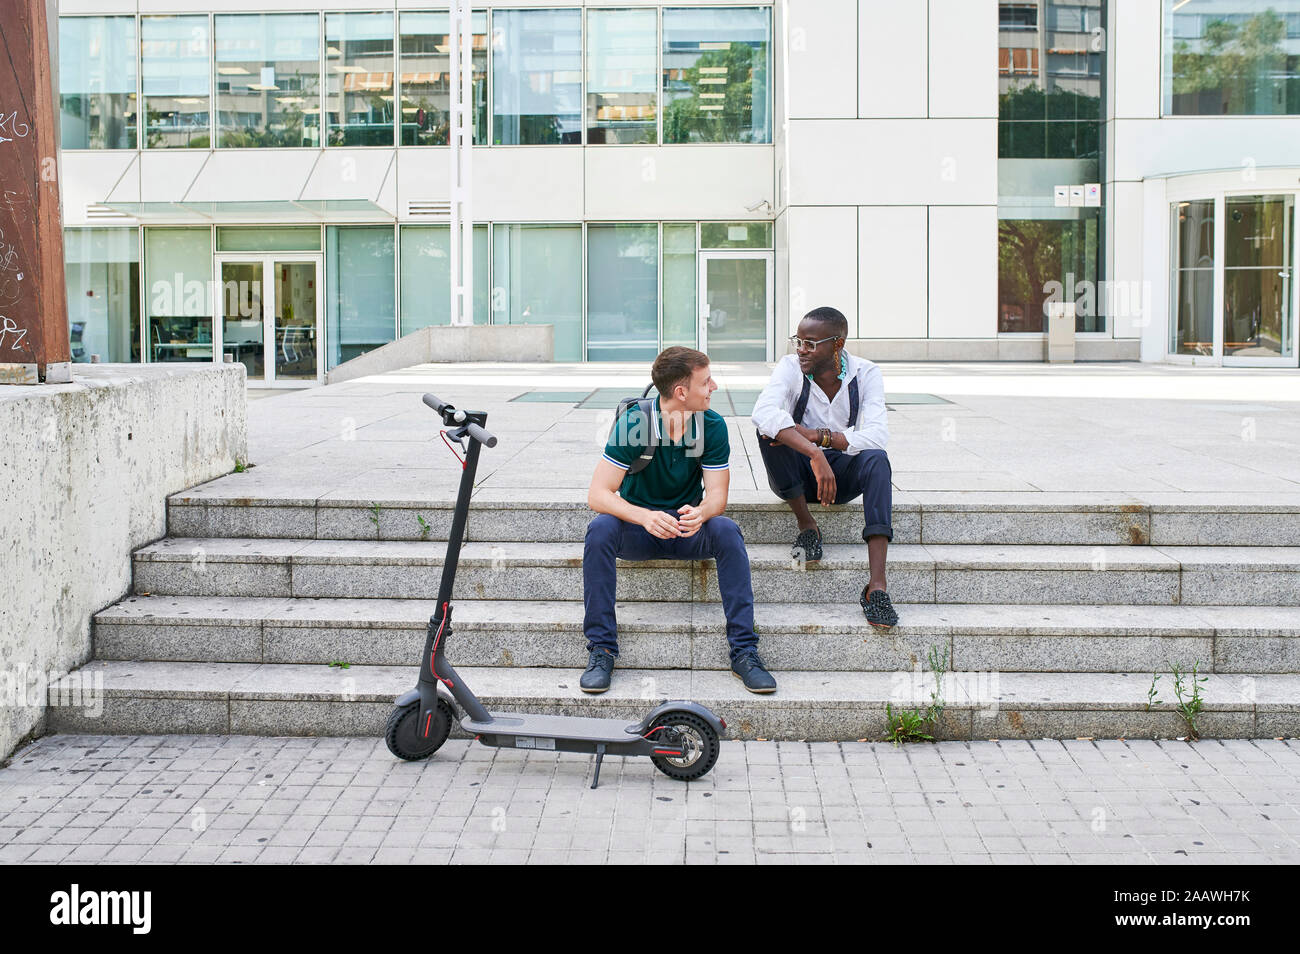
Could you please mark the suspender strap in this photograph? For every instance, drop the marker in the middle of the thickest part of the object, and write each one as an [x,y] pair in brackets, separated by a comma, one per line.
[802,404]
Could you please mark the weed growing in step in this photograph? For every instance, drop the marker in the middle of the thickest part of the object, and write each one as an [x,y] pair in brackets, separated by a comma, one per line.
[1189,696]
[425,529]
[1153,699]
[339,664]
[374,515]
[910,725]
[242,465]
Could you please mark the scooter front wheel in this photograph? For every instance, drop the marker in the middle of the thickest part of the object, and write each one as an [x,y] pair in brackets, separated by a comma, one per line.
[403,735]
[694,735]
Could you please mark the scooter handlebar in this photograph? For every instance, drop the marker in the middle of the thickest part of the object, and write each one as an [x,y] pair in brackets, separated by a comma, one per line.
[485,438]
[435,402]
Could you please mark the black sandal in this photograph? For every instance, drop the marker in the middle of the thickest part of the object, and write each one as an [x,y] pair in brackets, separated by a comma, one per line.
[808,545]
[878,609]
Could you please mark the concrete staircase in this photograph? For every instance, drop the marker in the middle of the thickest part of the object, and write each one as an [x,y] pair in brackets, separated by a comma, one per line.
[1055,610]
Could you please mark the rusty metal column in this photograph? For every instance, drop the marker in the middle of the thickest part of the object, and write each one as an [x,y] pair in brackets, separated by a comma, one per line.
[33,297]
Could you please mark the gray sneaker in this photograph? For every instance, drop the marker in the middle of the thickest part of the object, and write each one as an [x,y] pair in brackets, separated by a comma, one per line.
[599,666]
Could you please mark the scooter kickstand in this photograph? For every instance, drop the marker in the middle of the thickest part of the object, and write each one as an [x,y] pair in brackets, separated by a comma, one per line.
[600,757]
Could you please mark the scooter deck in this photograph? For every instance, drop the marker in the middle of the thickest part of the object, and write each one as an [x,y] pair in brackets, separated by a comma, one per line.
[577,728]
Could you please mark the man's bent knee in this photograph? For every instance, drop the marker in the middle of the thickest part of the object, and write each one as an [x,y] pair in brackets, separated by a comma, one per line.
[603,530]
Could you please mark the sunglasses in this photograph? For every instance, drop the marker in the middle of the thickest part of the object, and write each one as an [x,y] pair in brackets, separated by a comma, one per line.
[807,344]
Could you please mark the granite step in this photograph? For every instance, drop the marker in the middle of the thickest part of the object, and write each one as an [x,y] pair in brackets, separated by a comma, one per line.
[671,635]
[941,573]
[299,700]
[561,516]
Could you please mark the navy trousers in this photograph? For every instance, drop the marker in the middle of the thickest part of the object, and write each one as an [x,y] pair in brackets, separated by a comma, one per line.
[866,474]
[609,538]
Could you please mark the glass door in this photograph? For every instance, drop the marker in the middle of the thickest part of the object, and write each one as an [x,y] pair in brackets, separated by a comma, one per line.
[271,316]
[1257,279]
[735,305]
[240,309]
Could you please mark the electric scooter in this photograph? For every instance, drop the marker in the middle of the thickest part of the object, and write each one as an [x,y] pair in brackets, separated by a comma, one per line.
[681,738]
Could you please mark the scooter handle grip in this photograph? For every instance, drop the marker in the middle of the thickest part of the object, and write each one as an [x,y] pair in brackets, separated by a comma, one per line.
[483,437]
[435,402]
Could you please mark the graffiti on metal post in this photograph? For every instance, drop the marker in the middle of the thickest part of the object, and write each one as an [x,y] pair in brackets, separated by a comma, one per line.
[9,124]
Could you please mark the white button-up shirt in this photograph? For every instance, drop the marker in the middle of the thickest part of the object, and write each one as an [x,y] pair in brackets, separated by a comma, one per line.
[772,412]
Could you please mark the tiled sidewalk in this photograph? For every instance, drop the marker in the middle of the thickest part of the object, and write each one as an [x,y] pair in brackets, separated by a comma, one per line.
[245,799]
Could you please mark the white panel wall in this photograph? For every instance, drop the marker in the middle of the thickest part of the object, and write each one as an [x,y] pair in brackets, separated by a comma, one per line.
[87,178]
[96,6]
[1129,267]
[1134,48]
[963,272]
[893,73]
[677,182]
[963,58]
[781,279]
[348,174]
[894,162]
[823,250]
[823,59]
[1150,147]
[892,287]
[167,174]
[253,175]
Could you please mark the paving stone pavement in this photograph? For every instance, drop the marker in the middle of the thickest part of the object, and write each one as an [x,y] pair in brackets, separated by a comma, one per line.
[240,799]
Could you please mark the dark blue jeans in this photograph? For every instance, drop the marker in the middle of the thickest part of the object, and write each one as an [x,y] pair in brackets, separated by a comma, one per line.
[609,538]
[866,473]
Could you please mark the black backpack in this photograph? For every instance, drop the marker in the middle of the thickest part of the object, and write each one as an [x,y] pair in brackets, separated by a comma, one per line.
[647,406]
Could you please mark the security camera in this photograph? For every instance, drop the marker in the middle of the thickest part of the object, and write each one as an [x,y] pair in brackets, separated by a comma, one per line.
[760,204]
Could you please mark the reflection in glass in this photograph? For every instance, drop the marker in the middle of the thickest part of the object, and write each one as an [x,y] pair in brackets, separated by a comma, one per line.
[360,306]
[537,77]
[177,78]
[621,93]
[1257,270]
[268,238]
[268,79]
[715,74]
[1049,80]
[537,279]
[680,276]
[735,294]
[622,292]
[102,275]
[1192,295]
[426,276]
[242,321]
[1048,260]
[178,294]
[425,66]
[1232,57]
[97,107]
[295,320]
[359,78]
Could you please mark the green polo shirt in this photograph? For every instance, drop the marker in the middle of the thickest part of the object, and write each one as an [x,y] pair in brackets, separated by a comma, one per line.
[675,476]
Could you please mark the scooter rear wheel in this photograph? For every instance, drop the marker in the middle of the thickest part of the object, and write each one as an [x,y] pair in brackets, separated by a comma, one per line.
[403,736]
[699,738]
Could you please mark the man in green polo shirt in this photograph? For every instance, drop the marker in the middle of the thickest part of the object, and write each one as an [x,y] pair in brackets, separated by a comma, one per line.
[671,510]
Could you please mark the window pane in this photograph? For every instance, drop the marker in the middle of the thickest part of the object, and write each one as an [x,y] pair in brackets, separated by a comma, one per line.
[359,307]
[735,235]
[426,62]
[716,85]
[268,79]
[622,292]
[97,82]
[178,293]
[537,76]
[1232,57]
[1192,296]
[679,285]
[1048,260]
[426,276]
[359,77]
[621,89]
[176,73]
[1257,276]
[268,239]
[102,273]
[537,279]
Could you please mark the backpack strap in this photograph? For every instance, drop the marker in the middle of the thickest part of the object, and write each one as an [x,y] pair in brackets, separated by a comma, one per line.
[853,403]
[647,407]
[802,404]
